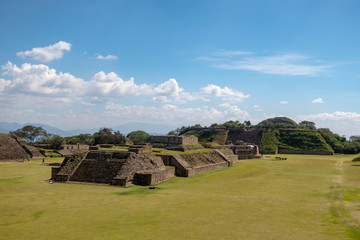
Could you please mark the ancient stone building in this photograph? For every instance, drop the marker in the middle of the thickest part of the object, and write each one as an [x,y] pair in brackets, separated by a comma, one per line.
[244,150]
[70,149]
[174,140]
[138,166]
[113,167]
[177,143]
[14,148]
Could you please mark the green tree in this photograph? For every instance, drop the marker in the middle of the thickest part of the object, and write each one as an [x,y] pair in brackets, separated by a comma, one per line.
[55,141]
[30,133]
[355,138]
[108,136]
[139,137]
[308,125]
[86,139]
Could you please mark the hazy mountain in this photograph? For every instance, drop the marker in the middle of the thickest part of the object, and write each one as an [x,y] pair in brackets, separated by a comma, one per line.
[153,129]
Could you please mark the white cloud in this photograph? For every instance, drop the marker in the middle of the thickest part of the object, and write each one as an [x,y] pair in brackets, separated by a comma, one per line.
[162,99]
[3,84]
[318,100]
[287,64]
[111,85]
[225,93]
[257,108]
[344,123]
[234,111]
[336,116]
[41,80]
[108,57]
[281,65]
[284,102]
[168,88]
[46,54]
[174,114]
[226,53]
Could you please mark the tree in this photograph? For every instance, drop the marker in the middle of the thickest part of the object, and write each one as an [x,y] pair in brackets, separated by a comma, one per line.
[55,141]
[108,136]
[30,133]
[86,139]
[139,137]
[308,125]
[355,138]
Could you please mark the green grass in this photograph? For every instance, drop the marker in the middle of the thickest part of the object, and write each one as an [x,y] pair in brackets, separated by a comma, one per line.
[255,199]
[116,148]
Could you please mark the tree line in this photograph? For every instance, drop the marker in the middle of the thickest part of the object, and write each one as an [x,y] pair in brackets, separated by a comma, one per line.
[32,134]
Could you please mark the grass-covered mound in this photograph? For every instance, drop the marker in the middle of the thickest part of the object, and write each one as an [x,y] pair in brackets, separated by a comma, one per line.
[269,142]
[302,140]
[277,122]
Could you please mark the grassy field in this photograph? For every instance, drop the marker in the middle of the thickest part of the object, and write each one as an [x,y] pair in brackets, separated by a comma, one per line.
[304,197]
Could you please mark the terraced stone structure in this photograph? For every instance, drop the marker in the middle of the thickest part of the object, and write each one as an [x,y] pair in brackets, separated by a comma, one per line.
[113,167]
[187,165]
[177,143]
[126,168]
[14,148]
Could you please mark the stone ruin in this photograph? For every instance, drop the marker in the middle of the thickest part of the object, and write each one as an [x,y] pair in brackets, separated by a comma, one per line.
[70,149]
[244,150]
[176,143]
[139,165]
[14,148]
[113,167]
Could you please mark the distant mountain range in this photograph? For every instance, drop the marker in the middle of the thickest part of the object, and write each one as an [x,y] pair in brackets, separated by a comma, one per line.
[152,129]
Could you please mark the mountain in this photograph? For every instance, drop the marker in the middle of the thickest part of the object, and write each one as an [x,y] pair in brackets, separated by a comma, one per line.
[152,129]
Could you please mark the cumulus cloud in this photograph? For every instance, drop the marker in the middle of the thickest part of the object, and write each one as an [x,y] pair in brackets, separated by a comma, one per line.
[169,113]
[41,80]
[284,102]
[108,57]
[111,85]
[47,54]
[336,116]
[3,84]
[234,111]
[338,121]
[318,100]
[168,88]
[225,93]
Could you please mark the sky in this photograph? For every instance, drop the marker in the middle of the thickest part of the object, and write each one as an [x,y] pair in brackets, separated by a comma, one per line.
[91,64]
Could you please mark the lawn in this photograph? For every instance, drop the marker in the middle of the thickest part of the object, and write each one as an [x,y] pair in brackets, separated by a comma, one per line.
[303,197]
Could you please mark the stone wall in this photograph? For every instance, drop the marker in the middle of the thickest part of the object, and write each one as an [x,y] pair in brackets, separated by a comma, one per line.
[182,168]
[188,165]
[146,178]
[75,147]
[249,136]
[174,140]
[146,148]
[210,167]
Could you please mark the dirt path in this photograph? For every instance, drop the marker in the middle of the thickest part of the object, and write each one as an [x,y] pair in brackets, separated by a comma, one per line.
[336,193]
[345,211]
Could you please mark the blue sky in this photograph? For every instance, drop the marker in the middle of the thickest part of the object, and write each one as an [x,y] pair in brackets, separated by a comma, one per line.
[89,64]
